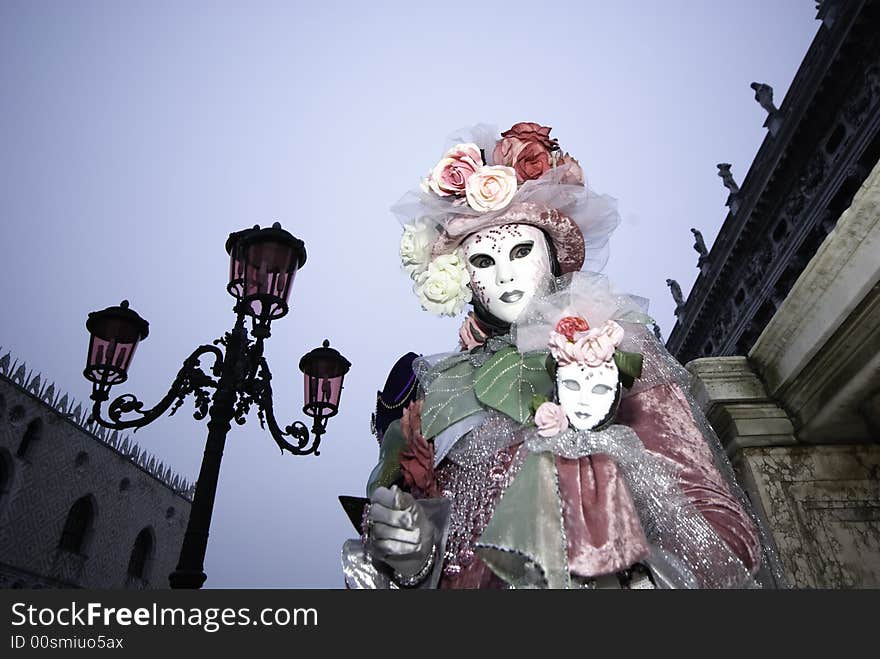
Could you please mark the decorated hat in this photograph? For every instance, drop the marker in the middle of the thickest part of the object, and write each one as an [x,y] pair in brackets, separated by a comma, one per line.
[484,180]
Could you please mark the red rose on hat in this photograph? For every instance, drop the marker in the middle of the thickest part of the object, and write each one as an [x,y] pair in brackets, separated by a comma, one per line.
[529,131]
[570,325]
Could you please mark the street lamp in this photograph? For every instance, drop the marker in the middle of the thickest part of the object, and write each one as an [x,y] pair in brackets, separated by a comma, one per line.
[263,264]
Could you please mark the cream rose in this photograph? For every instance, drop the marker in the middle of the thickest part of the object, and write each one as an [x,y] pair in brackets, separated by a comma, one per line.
[491,188]
[415,246]
[443,287]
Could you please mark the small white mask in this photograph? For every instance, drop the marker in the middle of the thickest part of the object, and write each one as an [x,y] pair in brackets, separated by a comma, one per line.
[506,265]
[587,394]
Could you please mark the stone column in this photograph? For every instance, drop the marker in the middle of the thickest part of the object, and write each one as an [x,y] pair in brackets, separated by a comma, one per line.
[737,405]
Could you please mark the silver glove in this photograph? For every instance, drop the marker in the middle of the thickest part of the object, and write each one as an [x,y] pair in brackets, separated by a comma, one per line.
[399,532]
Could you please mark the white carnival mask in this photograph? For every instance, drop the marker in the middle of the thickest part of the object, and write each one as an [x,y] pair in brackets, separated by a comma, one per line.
[506,265]
[587,394]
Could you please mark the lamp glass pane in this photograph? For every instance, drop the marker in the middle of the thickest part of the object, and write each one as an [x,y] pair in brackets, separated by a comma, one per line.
[322,395]
[109,360]
[236,276]
[269,274]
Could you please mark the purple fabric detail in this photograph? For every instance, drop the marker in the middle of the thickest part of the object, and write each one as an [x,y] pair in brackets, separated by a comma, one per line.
[399,390]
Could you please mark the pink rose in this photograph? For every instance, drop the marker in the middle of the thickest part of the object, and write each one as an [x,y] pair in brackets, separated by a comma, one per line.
[613,331]
[574,175]
[451,174]
[529,131]
[560,348]
[550,419]
[592,347]
[471,334]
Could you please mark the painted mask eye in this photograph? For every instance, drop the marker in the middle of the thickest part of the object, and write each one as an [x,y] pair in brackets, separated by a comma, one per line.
[601,389]
[482,261]
[574,385]
[522,250]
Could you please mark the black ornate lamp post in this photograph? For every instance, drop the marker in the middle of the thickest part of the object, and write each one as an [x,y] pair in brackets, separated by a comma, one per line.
[263,264]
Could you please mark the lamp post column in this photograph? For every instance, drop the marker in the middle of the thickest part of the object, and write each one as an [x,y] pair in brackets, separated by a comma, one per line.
[190,571]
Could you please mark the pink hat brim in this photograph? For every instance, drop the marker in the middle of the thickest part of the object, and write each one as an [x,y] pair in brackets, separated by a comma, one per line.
[562,230]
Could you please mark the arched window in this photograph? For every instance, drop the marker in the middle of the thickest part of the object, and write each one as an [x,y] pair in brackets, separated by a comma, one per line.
[2,406]
[79,522]
[33,432]
[141,553]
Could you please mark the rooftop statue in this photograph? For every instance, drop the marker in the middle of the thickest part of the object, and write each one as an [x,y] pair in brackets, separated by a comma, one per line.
[727,177]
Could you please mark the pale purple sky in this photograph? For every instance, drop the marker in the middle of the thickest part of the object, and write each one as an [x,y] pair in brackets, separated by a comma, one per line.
[134,136]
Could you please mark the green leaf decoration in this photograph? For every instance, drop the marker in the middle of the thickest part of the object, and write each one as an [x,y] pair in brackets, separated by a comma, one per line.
[509,381]
[449,398]
[537,401]
[630,366]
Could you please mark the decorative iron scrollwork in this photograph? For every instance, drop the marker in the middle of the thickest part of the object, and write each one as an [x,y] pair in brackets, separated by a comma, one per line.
[191,379]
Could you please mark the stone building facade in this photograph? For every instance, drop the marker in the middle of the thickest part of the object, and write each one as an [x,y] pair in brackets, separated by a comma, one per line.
[80,507]
[821,143]
[782,327]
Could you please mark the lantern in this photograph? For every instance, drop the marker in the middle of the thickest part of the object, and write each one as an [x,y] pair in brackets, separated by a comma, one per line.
[263,264]
[115,333]
[323,369]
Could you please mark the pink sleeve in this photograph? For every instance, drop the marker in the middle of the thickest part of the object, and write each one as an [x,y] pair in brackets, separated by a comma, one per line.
[663,421]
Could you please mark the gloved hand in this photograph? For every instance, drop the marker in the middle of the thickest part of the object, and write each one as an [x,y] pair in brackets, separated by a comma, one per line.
[399,532]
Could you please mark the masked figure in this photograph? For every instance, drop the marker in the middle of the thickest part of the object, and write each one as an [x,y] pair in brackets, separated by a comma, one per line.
[558,447]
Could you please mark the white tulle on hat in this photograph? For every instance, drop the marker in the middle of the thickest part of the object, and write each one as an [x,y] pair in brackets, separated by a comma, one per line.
[577,220]
[588,295]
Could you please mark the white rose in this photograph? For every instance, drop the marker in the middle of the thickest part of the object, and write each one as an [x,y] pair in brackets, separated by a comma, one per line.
[415,246]
[443,287]
[491,188]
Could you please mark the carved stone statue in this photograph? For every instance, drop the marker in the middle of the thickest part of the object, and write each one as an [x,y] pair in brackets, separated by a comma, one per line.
[700,247]
[727,177]
[657,332]
[675,289]
[764,96]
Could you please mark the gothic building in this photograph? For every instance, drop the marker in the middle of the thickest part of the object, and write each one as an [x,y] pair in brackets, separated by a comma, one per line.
[782,326]
[80,507]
